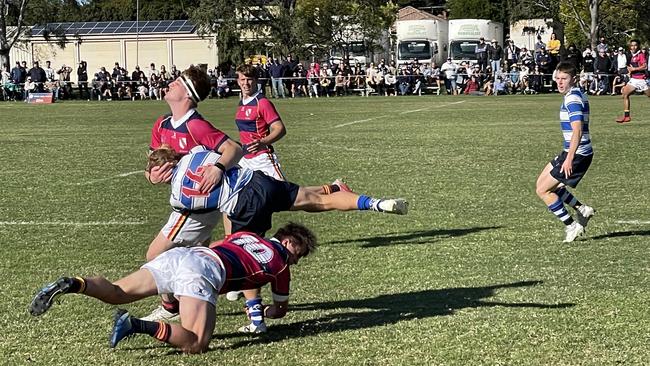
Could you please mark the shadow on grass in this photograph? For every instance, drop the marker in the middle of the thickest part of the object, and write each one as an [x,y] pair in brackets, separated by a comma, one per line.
[389,309]
[622,234]
[416,237]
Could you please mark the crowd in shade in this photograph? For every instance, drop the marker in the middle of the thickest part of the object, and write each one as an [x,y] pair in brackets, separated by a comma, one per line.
[495,70]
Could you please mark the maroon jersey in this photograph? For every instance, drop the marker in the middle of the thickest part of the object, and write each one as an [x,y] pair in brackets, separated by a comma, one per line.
[253,120]
[638,60]
[252,261]
[192,130]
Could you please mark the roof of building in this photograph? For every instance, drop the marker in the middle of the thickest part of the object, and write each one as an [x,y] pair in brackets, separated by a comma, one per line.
[411,13]
[110,28]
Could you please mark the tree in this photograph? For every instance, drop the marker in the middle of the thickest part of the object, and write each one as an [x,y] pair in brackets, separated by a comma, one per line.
[12,26]
[306,29]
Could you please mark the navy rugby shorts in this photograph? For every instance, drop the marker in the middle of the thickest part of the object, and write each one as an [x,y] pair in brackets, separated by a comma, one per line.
[257,202]
[580,166]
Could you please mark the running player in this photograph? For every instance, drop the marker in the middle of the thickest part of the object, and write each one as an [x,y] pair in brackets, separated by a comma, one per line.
[259,125]
[568,168]
[195,276]
[637,67]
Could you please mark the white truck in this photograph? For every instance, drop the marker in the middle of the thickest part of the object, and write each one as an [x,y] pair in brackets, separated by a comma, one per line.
[424,40]
[464,35]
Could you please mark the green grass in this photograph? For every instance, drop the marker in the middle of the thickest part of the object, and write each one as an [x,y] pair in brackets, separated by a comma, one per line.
[475,274]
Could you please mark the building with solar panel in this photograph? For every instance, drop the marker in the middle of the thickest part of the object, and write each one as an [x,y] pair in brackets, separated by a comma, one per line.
[164,42]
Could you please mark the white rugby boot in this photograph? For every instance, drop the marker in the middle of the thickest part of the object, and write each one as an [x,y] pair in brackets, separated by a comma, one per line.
[584,214]
[161,314]
[397,206]
[254,329]
[573,231]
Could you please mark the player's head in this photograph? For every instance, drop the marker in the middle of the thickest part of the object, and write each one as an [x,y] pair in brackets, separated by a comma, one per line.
[193,83]
[247,79]
[160,156]
[298,239]
[565,76]
[634,45]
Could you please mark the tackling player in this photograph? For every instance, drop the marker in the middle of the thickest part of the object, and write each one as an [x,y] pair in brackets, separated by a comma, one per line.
[195,276]
[568,168]
[637,66]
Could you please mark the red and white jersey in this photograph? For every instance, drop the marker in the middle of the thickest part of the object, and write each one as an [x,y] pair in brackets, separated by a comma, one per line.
[254,116]
[638,59]
[190,131]
[251,261]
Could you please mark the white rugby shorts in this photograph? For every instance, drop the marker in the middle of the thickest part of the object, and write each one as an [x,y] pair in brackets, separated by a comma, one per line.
[190,229]
[639,84]
[267,163]
[194,272]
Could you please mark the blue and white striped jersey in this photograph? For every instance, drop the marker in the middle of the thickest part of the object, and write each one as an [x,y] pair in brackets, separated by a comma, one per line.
[575,107]
[186,178]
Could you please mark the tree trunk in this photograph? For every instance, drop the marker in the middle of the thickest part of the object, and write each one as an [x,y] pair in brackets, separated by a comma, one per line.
[593,30]
[4,59]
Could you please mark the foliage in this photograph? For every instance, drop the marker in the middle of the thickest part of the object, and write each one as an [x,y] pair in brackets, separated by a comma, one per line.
[477,9]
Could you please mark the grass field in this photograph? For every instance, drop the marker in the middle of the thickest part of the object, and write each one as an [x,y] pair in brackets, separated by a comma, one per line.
[476,274]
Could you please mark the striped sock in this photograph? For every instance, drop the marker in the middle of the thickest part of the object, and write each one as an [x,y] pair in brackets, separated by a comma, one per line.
[159,330]
[255,310]
[557,208]
[368,203]
[78,285]
[627,113]
[568,198]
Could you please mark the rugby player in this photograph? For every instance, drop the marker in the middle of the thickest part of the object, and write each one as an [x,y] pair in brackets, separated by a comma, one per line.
[195,276]
[637,66]
[568,168]
[259,125]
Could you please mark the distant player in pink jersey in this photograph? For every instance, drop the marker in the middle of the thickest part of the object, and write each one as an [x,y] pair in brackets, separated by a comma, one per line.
[637,66]
[195,276]
[259,125]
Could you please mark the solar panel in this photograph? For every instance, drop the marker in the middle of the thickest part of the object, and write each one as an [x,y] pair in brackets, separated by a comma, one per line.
[119,27]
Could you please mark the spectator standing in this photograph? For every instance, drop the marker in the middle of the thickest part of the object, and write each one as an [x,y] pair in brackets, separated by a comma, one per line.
[574,57]
[276,71]
[539,46]
[50,75]
[602,68]
[38,77]
[116,70]
[82,80]
[602,45]
[496,55]
[481,52]
[449,69]
[512,52]
[553,47]
[16,74]
[289,67]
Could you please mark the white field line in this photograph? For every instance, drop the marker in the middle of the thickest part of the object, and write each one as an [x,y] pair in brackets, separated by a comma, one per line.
[435,106]
[68,223]
[633,222]
[109,178]
[360,121]
[335,147]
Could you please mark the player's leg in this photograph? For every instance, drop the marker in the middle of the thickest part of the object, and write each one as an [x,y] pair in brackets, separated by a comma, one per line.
[193,335]
[626,92]
[545,189]
[255,312]
[307,200]
[584,212]
[136,286]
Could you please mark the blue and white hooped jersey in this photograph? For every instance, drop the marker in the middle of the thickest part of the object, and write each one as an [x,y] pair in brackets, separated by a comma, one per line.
[575,108]
[187,175]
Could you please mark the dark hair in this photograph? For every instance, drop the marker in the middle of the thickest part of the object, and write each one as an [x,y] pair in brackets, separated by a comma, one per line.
[303,237]
[248,70]
[638,43]
[567,67]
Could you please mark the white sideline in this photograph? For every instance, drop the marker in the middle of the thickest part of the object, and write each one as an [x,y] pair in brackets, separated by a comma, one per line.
[67,223]
[360,121]
[109,178]
[435,106]
[634,222]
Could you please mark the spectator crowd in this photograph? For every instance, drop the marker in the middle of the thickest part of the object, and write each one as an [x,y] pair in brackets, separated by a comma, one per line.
[496,70]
